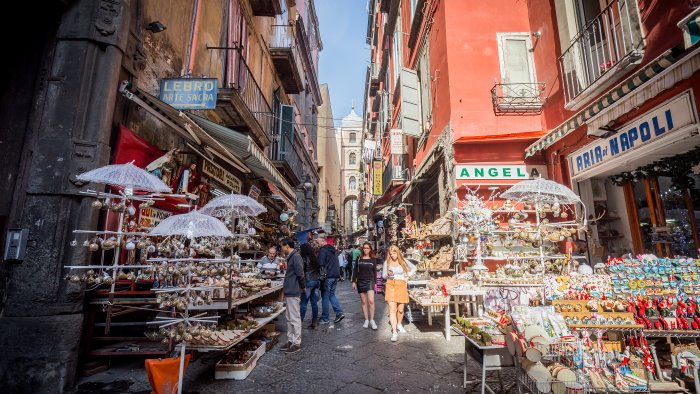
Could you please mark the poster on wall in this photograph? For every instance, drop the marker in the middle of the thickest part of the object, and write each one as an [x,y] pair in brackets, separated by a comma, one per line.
[254,192]
[377,178]
[396,136]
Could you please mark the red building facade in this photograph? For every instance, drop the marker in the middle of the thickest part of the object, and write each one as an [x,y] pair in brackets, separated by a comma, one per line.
[599,95]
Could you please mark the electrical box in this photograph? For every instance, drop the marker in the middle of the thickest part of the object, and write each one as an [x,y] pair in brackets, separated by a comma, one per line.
[16,244]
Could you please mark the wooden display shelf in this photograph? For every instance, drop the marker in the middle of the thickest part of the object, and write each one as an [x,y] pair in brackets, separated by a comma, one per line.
[222,304]
[150,349]
[262,321]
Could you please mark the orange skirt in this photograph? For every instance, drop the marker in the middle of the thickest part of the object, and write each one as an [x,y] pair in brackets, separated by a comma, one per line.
[396,291]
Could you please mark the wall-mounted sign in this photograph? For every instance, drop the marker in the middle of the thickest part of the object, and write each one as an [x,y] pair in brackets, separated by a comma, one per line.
[222,176]
[506,171]
[150,217]
[647,128]
[254,192]
[396,136]
[377,178]
[189,93]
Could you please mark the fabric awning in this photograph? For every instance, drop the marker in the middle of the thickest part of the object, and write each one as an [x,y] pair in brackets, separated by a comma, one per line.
[500,137]
[654,68]
[182,124]
[387,198]
[244,147]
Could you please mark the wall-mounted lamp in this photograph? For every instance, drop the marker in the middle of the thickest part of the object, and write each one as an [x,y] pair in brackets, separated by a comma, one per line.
[537,34]
[307,183]
[156,27]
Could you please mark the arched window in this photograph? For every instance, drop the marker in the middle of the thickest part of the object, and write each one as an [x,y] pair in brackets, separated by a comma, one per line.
[352,160]
[353,183]
[353,138]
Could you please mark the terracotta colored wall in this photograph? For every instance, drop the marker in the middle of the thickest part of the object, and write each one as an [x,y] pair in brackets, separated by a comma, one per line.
[473,60]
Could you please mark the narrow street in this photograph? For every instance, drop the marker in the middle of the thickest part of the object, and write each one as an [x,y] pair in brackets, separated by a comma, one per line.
[342,358]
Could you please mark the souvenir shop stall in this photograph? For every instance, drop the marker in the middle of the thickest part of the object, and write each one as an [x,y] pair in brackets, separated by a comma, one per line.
[629,325]
[178,287]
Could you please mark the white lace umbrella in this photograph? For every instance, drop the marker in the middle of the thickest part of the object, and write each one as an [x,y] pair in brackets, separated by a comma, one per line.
[233,206]
[193,224]
[541,190]
[125,175]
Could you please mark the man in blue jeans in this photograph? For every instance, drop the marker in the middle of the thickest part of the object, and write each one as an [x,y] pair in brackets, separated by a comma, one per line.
[328,258]
[313,284]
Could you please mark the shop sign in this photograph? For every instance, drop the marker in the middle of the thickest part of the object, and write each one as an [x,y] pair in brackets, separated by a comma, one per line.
[254,192]
[377,178]
[642,131]
[222,176]
[189,93]
[396,136]
[150,217]
[507,171]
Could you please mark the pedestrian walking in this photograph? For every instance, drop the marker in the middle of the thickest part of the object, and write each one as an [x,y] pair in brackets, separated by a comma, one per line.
[363,277]
[343,262]
[348,259]
[294,286]
[397,270]
[313,283]
[328,262]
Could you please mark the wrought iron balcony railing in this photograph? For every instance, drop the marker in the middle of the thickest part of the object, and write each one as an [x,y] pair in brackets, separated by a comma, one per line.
[609,43]
[287,58]
[517,98]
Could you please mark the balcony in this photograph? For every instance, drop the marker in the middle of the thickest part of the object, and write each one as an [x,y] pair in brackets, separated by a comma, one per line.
[517,98]
[241,104]
[287,59]
[373,78]
[602,53]
[395,173]
[284,153]
[266,7]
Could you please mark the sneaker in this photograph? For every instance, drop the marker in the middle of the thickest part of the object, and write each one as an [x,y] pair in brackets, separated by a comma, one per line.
[366,324]
[373,324]
[339,318]
[286,346]
[401,329]
[394,336]
[324,322]
[293,349]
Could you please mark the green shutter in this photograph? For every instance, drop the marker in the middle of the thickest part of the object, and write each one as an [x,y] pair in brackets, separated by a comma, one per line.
[286,126]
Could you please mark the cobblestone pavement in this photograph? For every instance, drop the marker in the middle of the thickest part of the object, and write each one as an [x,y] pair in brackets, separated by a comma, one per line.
[340,358]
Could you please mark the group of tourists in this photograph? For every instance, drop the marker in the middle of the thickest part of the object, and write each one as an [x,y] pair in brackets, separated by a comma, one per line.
[317,267]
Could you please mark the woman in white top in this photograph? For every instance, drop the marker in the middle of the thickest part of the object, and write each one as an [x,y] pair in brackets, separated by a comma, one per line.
[397,270]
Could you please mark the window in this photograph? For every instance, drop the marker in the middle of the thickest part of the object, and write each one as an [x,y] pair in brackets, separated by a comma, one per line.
[517,65]
[352,183]
[353,138]
[352,160]
[397,41]
[236,72]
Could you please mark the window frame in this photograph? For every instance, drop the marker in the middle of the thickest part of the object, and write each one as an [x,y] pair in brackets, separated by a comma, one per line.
[501,39]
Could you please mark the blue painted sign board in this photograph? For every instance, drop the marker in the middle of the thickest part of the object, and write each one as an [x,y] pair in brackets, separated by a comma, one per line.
[189,93]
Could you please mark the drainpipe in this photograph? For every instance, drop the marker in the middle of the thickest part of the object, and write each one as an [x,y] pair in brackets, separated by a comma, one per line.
[194,33]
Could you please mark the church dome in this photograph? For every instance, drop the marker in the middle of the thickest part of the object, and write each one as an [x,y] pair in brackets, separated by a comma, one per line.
[351,120]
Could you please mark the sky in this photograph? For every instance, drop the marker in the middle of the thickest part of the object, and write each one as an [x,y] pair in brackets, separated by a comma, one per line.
[345,55]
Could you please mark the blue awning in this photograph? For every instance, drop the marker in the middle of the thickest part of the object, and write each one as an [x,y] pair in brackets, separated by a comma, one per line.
[303,235]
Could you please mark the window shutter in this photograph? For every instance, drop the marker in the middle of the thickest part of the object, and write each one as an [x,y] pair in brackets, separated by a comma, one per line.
[286,126]
[410,116]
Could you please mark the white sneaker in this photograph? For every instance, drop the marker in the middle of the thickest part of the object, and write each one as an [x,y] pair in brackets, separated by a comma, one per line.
[400,328]
[373,324]
[394,336]
[366,324]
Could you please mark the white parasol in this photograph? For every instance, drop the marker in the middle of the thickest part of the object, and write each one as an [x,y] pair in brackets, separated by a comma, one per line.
[542,191]
[193,224]
[233,206]
[125,175]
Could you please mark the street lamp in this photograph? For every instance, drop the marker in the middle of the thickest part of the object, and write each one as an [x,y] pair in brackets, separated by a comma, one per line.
[307,183]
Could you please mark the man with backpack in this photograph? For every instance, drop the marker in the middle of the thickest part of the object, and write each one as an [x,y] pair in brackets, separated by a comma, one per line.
[329,269]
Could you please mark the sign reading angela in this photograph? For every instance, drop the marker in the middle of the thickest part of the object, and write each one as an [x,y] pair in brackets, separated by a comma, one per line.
[645,129]
[507,171]
[189,93]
